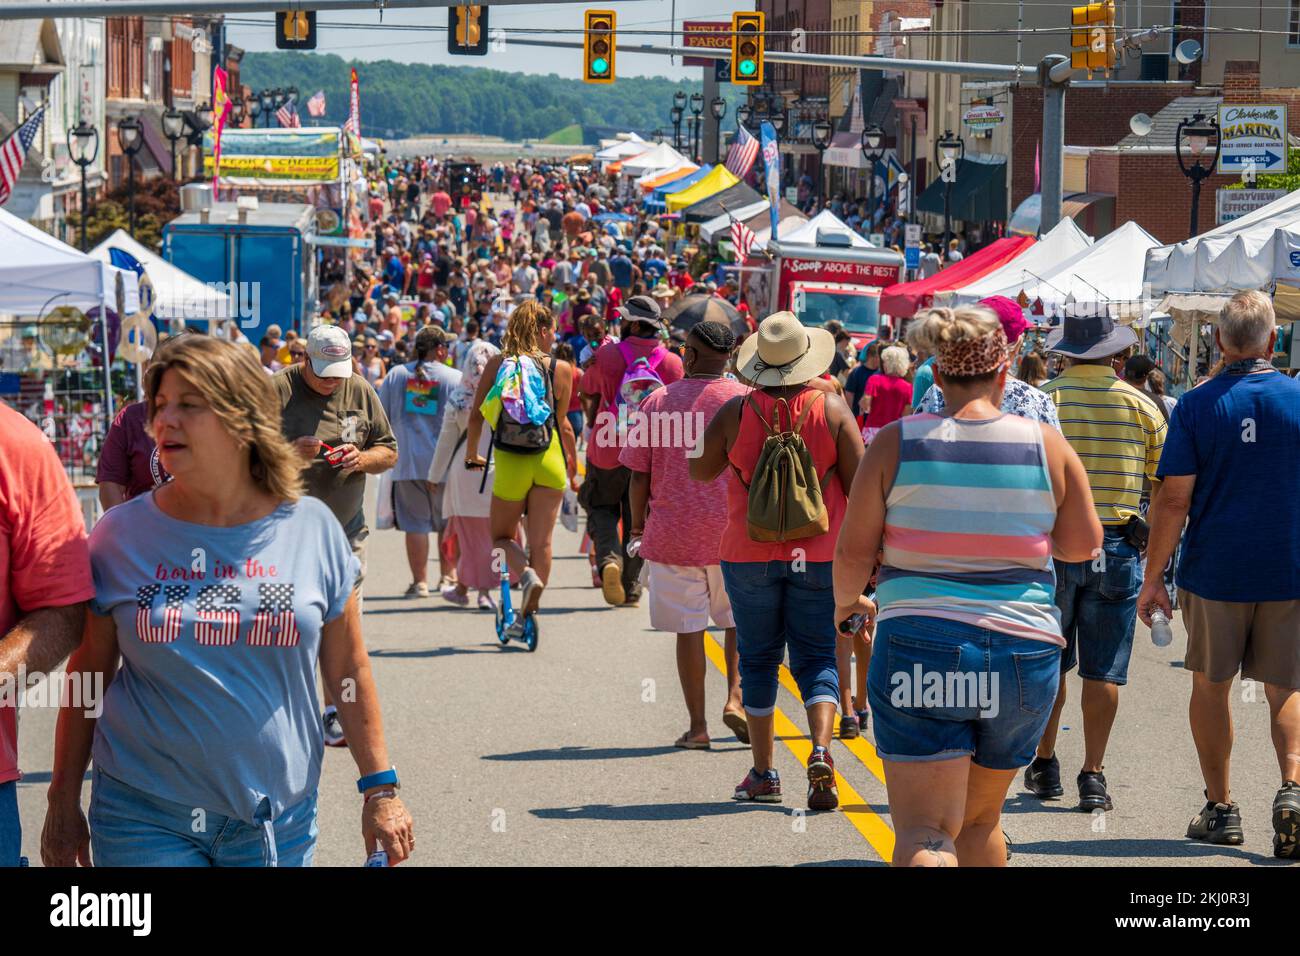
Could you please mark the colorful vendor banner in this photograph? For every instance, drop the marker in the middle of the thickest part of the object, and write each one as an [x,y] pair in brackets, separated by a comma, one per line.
[354,107]
[220,112]
[265,157]
[772,171]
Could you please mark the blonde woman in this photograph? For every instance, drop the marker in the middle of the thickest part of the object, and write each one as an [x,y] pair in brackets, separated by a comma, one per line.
[222,591]
[466,508]
[531,482]
[970,507]
[888,396]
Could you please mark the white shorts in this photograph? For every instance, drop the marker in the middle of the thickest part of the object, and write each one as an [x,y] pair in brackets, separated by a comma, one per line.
[683,600]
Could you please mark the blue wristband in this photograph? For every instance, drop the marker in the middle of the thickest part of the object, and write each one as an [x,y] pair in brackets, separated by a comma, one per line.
[388,776]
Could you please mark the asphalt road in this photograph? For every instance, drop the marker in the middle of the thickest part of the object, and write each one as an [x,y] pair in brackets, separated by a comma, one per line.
[564,756]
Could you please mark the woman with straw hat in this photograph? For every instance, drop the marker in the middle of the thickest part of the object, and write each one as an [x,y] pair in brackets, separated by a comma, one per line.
[782,591]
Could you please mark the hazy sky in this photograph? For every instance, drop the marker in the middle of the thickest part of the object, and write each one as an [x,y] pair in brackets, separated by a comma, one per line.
[431,47]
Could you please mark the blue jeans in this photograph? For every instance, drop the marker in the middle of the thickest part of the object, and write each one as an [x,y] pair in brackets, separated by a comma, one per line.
[11,830]
[775,607]
[129,827]
[989,697]
[1099,609]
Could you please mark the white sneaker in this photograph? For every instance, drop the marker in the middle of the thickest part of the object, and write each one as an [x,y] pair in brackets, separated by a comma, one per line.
[449,593]
[486,602]
[419,589]
[333,729]
[532,585]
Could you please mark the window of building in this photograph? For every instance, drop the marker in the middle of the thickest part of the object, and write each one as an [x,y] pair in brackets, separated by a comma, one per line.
[1293,24]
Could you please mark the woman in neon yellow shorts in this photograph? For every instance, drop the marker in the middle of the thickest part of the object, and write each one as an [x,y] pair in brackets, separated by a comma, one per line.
[532,482]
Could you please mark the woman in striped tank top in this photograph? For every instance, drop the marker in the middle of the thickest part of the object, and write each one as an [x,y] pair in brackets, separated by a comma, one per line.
[971,507]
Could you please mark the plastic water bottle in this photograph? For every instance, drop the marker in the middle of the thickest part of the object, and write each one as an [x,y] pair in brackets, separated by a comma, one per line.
[1162,635]
[378,858]
[634,547]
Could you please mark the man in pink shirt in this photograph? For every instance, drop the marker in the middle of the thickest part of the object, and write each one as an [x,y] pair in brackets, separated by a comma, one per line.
[45,583]
[605,490]
[685,577]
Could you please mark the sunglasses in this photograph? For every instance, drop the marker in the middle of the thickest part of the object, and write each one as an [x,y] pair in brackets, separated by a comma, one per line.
[297,353]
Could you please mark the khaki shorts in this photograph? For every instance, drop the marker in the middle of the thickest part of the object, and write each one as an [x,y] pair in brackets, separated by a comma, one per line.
[683,599]
[1262,640]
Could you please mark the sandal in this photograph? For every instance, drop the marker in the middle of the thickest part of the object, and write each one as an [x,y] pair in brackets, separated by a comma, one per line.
[737,724]
[687,744]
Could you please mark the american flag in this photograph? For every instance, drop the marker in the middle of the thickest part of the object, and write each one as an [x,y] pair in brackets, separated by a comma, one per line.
[743,152]
[171,626]
[218,623]
[742,237]
[274,624]
[316,105]
[287,117]
[14,151]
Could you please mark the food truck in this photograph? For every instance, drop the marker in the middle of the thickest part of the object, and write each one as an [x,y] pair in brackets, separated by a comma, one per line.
[818,283]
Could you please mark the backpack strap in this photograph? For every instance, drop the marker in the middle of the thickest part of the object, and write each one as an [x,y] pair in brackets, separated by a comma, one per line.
[803,416]
[749,400]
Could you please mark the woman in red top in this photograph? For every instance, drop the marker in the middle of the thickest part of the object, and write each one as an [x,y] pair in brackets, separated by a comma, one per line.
[782,593]
[889,395]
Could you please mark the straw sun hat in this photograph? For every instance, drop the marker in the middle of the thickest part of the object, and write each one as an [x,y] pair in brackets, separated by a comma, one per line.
[784,351]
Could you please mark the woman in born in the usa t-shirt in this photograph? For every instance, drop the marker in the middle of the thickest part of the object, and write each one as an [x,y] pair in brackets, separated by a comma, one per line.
[222,590]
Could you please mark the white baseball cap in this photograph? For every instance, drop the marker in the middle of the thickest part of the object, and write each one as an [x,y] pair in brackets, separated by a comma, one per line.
[330,352]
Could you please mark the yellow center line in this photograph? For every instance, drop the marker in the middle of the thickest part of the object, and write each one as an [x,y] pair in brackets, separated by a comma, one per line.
[873,829]
[860,747]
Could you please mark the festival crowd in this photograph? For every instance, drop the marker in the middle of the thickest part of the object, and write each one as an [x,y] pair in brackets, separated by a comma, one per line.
[958,498]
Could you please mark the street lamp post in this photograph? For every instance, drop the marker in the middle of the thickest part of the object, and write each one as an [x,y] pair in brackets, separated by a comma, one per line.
[718,107]
[743,113]
[697,107]
[130,137]
[1196,133]
[948,152]
[173,126]
[255,108]
[777,119]
[873,139]
[821,140]
[676,115]
[85,146]
[267,99]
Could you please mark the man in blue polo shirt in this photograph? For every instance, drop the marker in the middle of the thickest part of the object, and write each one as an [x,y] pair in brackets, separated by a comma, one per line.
[1232,453]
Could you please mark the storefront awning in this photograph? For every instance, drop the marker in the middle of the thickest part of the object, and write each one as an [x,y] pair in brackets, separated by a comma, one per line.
[846,151]
[979,193]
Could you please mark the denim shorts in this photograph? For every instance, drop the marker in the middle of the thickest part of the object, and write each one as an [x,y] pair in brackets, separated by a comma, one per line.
[1098,604]
[941,689]
[774,608]
[129,827]
[11,830]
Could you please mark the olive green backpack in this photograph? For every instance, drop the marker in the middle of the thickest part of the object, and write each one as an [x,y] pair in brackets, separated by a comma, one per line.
[785,495]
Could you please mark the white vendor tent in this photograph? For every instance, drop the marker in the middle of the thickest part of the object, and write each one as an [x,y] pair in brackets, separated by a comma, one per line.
[785,227]
[1064,241]
[177,294]
[38,273]
[653,174]
[661,156]
[1105,277]
[824,223]
[720,224]
[1253,252]
[630,146]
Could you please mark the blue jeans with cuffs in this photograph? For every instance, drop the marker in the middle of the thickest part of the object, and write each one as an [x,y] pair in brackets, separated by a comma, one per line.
[775,608]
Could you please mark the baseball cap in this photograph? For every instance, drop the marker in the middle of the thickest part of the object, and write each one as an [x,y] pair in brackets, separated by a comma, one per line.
[330,352]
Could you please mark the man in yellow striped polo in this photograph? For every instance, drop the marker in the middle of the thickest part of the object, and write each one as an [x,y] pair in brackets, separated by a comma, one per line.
[1119,433]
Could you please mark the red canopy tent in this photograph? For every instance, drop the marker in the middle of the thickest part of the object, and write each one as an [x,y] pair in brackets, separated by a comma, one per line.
[904,298]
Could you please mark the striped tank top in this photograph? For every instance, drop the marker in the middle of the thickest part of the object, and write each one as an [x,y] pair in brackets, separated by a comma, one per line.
[968,527]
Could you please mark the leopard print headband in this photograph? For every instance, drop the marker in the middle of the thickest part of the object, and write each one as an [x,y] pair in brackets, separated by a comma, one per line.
[973,356]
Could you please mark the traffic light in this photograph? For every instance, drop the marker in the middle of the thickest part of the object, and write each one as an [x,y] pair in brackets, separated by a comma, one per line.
[598,47]
[467,30]
[1092,37]
[295,30]
[747,48]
